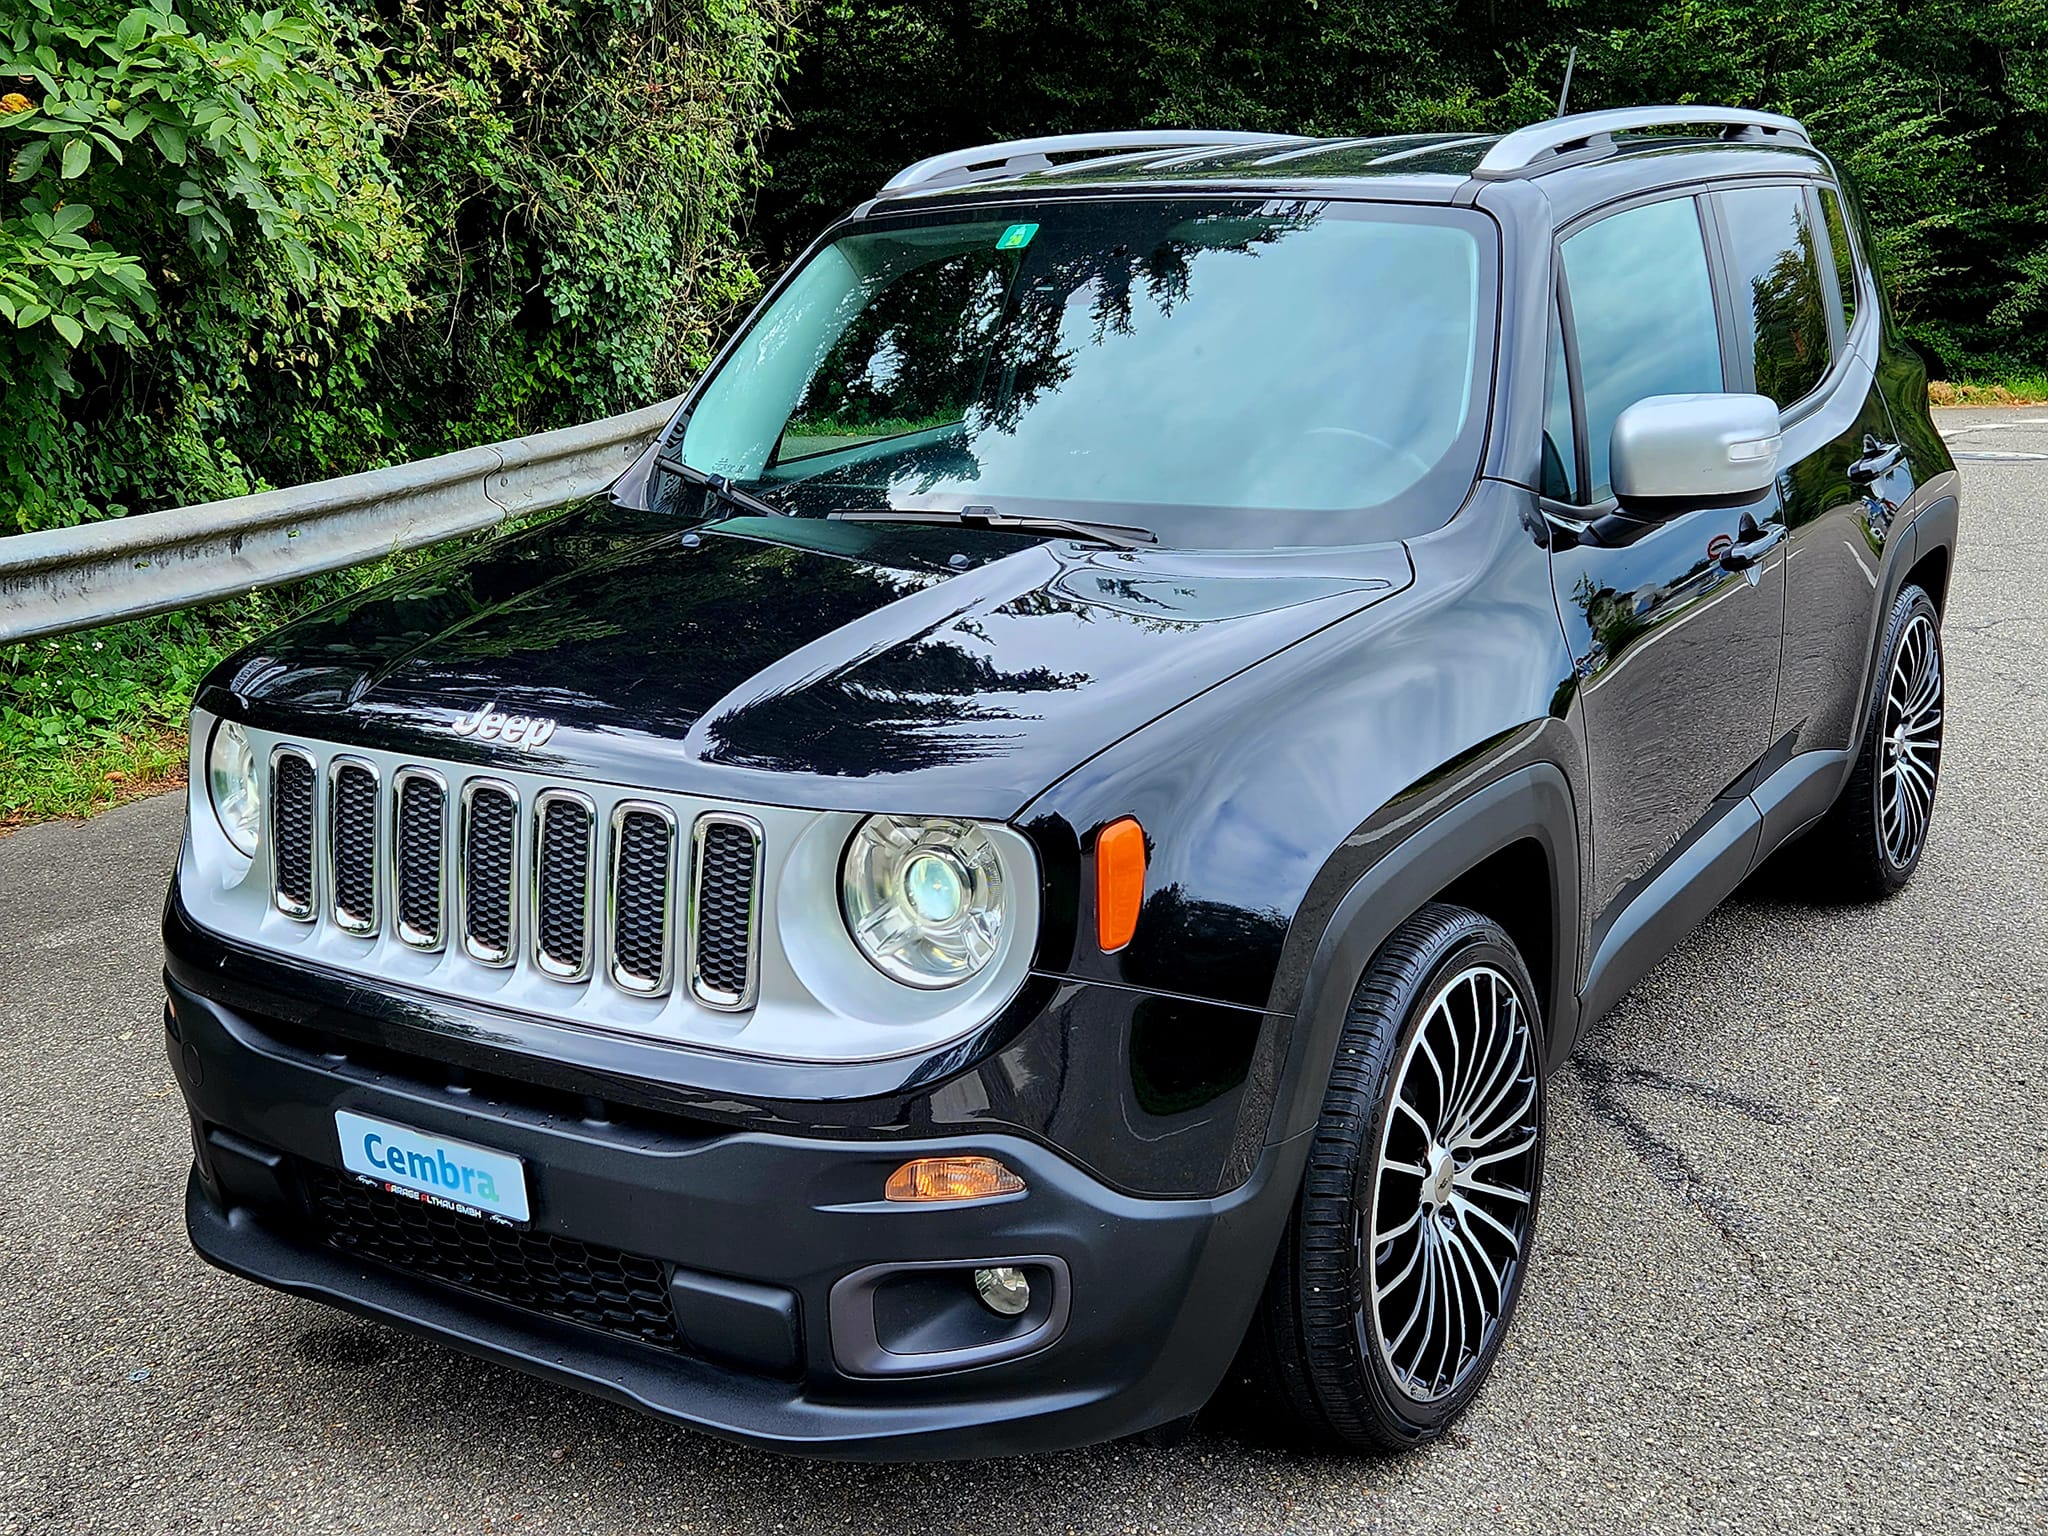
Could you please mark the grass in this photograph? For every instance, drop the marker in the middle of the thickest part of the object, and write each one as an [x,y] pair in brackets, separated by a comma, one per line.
[93,719]
[89,720]
[146,759]
[2013,389]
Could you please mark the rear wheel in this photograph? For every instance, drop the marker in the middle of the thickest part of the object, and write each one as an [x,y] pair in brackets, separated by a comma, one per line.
[1872,839]
[1402,1264]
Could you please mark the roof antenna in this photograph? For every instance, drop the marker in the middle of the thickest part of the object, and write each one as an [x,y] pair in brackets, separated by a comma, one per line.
[1565,95]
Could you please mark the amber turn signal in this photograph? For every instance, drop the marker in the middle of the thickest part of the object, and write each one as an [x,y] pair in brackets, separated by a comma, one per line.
[951,1178]
[1119,882]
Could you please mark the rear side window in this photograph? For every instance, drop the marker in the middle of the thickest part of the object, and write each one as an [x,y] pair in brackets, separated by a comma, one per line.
[1845,254]
[1642,316]
[1781,311]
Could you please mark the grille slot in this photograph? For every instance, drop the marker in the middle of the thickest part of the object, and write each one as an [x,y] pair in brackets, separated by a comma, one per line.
[419,856]
[292,798]
[725,893]
[490,853]
[565,846]
[643,874]
[620,1293]
[352,844]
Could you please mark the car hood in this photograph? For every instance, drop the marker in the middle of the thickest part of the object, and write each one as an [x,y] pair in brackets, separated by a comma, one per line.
[791,660]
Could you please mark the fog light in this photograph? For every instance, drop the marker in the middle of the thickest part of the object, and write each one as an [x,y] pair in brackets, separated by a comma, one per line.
[951,1178]
[1003,1290]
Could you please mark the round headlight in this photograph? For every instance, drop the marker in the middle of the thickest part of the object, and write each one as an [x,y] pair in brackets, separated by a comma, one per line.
[234,785]
[923,897]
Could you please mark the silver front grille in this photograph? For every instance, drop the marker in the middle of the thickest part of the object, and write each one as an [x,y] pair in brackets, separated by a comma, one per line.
[471,867]
[713,923]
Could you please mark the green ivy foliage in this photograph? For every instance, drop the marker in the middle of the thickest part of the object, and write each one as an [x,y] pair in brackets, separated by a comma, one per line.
[244,248]
[1937,109]
[198,210]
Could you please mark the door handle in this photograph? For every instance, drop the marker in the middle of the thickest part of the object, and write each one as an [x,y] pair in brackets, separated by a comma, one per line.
[1879,459]
[1752,546]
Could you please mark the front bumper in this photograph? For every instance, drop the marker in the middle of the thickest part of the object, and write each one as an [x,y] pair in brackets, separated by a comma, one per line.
[789,1276]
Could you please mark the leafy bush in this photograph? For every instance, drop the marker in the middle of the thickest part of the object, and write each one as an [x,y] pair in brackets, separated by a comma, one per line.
[240,249]
[243,248]
[201,207]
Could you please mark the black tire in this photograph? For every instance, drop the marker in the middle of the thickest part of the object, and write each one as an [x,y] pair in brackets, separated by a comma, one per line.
[1317,1347]
[1857,852]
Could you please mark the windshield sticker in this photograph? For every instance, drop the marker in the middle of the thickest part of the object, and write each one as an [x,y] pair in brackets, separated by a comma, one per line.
[1016,237]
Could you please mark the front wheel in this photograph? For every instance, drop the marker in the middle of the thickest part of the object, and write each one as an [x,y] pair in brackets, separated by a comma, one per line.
[1402,1264]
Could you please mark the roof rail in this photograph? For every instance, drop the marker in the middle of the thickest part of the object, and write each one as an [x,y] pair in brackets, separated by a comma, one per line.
[1019,155]
[1531,150]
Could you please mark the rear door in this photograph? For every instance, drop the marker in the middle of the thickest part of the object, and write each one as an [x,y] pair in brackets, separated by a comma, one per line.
[1674,615]
[1808,337]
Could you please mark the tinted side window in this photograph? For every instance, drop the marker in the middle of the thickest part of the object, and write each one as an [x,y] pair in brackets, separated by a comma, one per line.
[1781,308]
[1845,257]
[1560,453]
[1642,315]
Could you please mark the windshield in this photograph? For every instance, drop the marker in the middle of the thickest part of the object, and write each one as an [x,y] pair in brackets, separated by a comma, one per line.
[1245,374]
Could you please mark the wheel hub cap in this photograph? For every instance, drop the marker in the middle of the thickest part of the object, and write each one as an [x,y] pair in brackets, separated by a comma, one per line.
[1443,1178]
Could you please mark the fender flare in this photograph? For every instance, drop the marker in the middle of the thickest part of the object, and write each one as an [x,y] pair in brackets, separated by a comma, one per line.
[1531,803]
[1933,526]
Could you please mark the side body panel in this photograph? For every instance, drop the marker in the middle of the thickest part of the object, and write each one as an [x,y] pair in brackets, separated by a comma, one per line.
[1841,505]
[1871,494]
[1270,803]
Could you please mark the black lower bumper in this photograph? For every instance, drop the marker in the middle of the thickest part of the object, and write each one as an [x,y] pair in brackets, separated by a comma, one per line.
[809,1315]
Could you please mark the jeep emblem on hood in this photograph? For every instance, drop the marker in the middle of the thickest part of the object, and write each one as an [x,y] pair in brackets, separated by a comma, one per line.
[490,724]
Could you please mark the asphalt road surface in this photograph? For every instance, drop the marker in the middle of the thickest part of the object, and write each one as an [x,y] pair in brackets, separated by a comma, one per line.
[1791,1275]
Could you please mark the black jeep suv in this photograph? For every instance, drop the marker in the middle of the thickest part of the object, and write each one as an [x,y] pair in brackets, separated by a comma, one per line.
[1044,837]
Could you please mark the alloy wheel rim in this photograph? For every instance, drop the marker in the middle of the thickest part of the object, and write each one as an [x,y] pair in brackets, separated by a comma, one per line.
[1910,742]
[1454,1186]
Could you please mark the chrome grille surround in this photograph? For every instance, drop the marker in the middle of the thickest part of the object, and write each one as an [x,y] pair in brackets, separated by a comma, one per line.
[492,891]
[722,935]
[419,857]
[351,845]
[809,994]
[294,832]
[564,913]
[640,893]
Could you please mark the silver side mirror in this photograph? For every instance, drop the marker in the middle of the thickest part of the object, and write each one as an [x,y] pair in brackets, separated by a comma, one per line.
[1694,448]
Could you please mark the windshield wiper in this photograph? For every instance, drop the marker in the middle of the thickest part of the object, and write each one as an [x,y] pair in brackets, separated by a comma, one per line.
[720,487]
[1117,535]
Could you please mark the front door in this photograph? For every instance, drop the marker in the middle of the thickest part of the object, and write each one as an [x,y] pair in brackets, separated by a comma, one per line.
[1674,619]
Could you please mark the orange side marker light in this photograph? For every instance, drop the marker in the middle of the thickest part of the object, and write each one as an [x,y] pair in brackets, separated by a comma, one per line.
[1119,882]
[951,1178]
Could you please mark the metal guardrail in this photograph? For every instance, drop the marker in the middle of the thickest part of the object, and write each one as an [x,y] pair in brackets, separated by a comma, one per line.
[62,579]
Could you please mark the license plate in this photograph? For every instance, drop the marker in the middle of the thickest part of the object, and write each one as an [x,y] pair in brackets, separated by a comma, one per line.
[437,1169]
